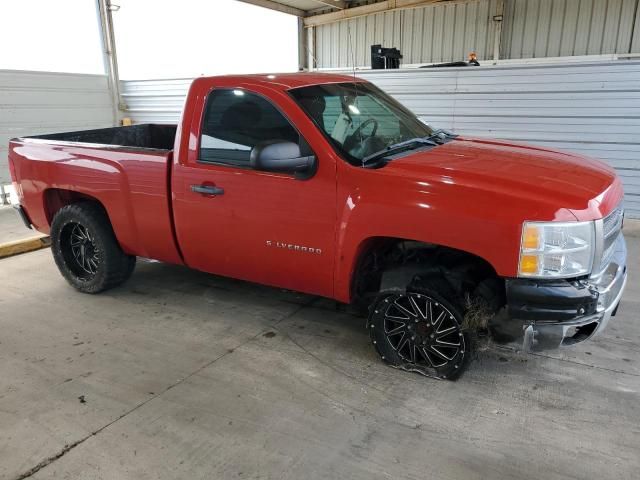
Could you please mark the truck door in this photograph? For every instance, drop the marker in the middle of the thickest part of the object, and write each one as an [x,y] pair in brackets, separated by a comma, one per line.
[231,219]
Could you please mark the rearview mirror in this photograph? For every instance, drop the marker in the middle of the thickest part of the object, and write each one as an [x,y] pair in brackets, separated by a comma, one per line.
[280,156]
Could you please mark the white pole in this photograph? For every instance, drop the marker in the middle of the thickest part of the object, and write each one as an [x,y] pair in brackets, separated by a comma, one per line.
[497,39]
[302,46]
[104,9]
[311,49]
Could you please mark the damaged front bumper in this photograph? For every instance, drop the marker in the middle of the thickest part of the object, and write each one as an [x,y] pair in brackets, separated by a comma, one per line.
[553,314]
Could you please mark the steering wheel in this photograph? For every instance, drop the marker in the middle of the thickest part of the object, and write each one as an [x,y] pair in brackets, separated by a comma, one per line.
[357,134]
[363,125]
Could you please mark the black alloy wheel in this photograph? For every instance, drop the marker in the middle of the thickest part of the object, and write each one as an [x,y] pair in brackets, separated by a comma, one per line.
[419,331]
[81,253]
[86,249]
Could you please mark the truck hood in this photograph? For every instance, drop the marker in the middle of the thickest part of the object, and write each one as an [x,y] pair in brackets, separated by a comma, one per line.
[550,179]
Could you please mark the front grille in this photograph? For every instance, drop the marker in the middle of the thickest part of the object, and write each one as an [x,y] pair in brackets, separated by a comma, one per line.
[611,227]
[612,223]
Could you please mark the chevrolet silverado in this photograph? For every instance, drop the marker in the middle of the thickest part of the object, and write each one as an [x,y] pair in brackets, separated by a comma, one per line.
[326,185]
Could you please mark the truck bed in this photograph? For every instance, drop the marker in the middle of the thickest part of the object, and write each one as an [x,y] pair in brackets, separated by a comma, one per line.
[149,136]
[126,169]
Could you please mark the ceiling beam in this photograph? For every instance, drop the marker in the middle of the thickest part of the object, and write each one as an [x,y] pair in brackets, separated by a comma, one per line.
[339,4]
[276,6]
[353,12]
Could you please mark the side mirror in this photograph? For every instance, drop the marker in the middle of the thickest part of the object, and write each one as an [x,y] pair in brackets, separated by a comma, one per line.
[280,156]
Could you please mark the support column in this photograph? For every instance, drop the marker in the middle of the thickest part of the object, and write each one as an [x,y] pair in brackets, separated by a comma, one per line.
[311,48]
[497,38]
[107,37]
[303,46]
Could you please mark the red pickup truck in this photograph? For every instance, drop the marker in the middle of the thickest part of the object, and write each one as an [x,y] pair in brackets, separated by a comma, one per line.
[326,185]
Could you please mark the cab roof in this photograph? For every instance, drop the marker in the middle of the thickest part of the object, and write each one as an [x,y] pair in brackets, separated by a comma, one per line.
[287,81]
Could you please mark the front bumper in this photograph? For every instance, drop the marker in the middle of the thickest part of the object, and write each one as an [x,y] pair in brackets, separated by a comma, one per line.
[563,313]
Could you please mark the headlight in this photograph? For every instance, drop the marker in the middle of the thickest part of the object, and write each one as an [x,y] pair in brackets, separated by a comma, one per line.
[556,250]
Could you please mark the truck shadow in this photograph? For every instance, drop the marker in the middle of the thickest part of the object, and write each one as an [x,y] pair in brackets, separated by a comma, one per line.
[318,325]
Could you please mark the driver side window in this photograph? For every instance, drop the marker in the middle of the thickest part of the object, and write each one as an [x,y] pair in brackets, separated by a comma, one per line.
[234,122]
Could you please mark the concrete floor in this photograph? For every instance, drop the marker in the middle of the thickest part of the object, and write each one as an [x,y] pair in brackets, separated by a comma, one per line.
[180,374]
[11,227]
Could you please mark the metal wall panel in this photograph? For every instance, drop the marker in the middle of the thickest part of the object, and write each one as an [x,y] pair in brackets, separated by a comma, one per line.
[448,32]
[157,101]
[590,108]
[435,33]
[42,102]
[558,28]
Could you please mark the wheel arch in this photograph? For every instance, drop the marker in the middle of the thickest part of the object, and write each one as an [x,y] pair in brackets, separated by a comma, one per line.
[54,198]
[380,262]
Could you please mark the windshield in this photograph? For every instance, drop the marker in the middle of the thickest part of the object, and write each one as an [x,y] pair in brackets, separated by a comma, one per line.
[359,118]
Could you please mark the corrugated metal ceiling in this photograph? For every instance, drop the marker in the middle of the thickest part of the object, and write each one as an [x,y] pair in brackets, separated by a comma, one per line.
[302,7]
[307,4]
[305,8]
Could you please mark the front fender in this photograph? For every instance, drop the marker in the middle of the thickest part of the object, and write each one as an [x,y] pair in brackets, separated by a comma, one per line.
[375,204]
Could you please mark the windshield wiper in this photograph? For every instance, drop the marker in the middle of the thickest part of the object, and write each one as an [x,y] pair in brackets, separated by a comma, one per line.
[400,147]
[440,136]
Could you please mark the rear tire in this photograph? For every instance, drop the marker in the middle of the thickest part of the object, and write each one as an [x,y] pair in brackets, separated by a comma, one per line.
[421,329]
[86,250]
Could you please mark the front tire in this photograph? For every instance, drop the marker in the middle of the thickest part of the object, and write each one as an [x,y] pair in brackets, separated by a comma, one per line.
[86,250]
[420,330]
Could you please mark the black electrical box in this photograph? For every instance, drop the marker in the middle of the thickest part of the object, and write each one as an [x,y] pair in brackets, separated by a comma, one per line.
[384,58]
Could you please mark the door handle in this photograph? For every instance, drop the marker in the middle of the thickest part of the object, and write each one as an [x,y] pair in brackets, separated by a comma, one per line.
[207,190]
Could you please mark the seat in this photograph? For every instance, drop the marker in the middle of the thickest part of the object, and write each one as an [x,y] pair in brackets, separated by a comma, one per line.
[315,107]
